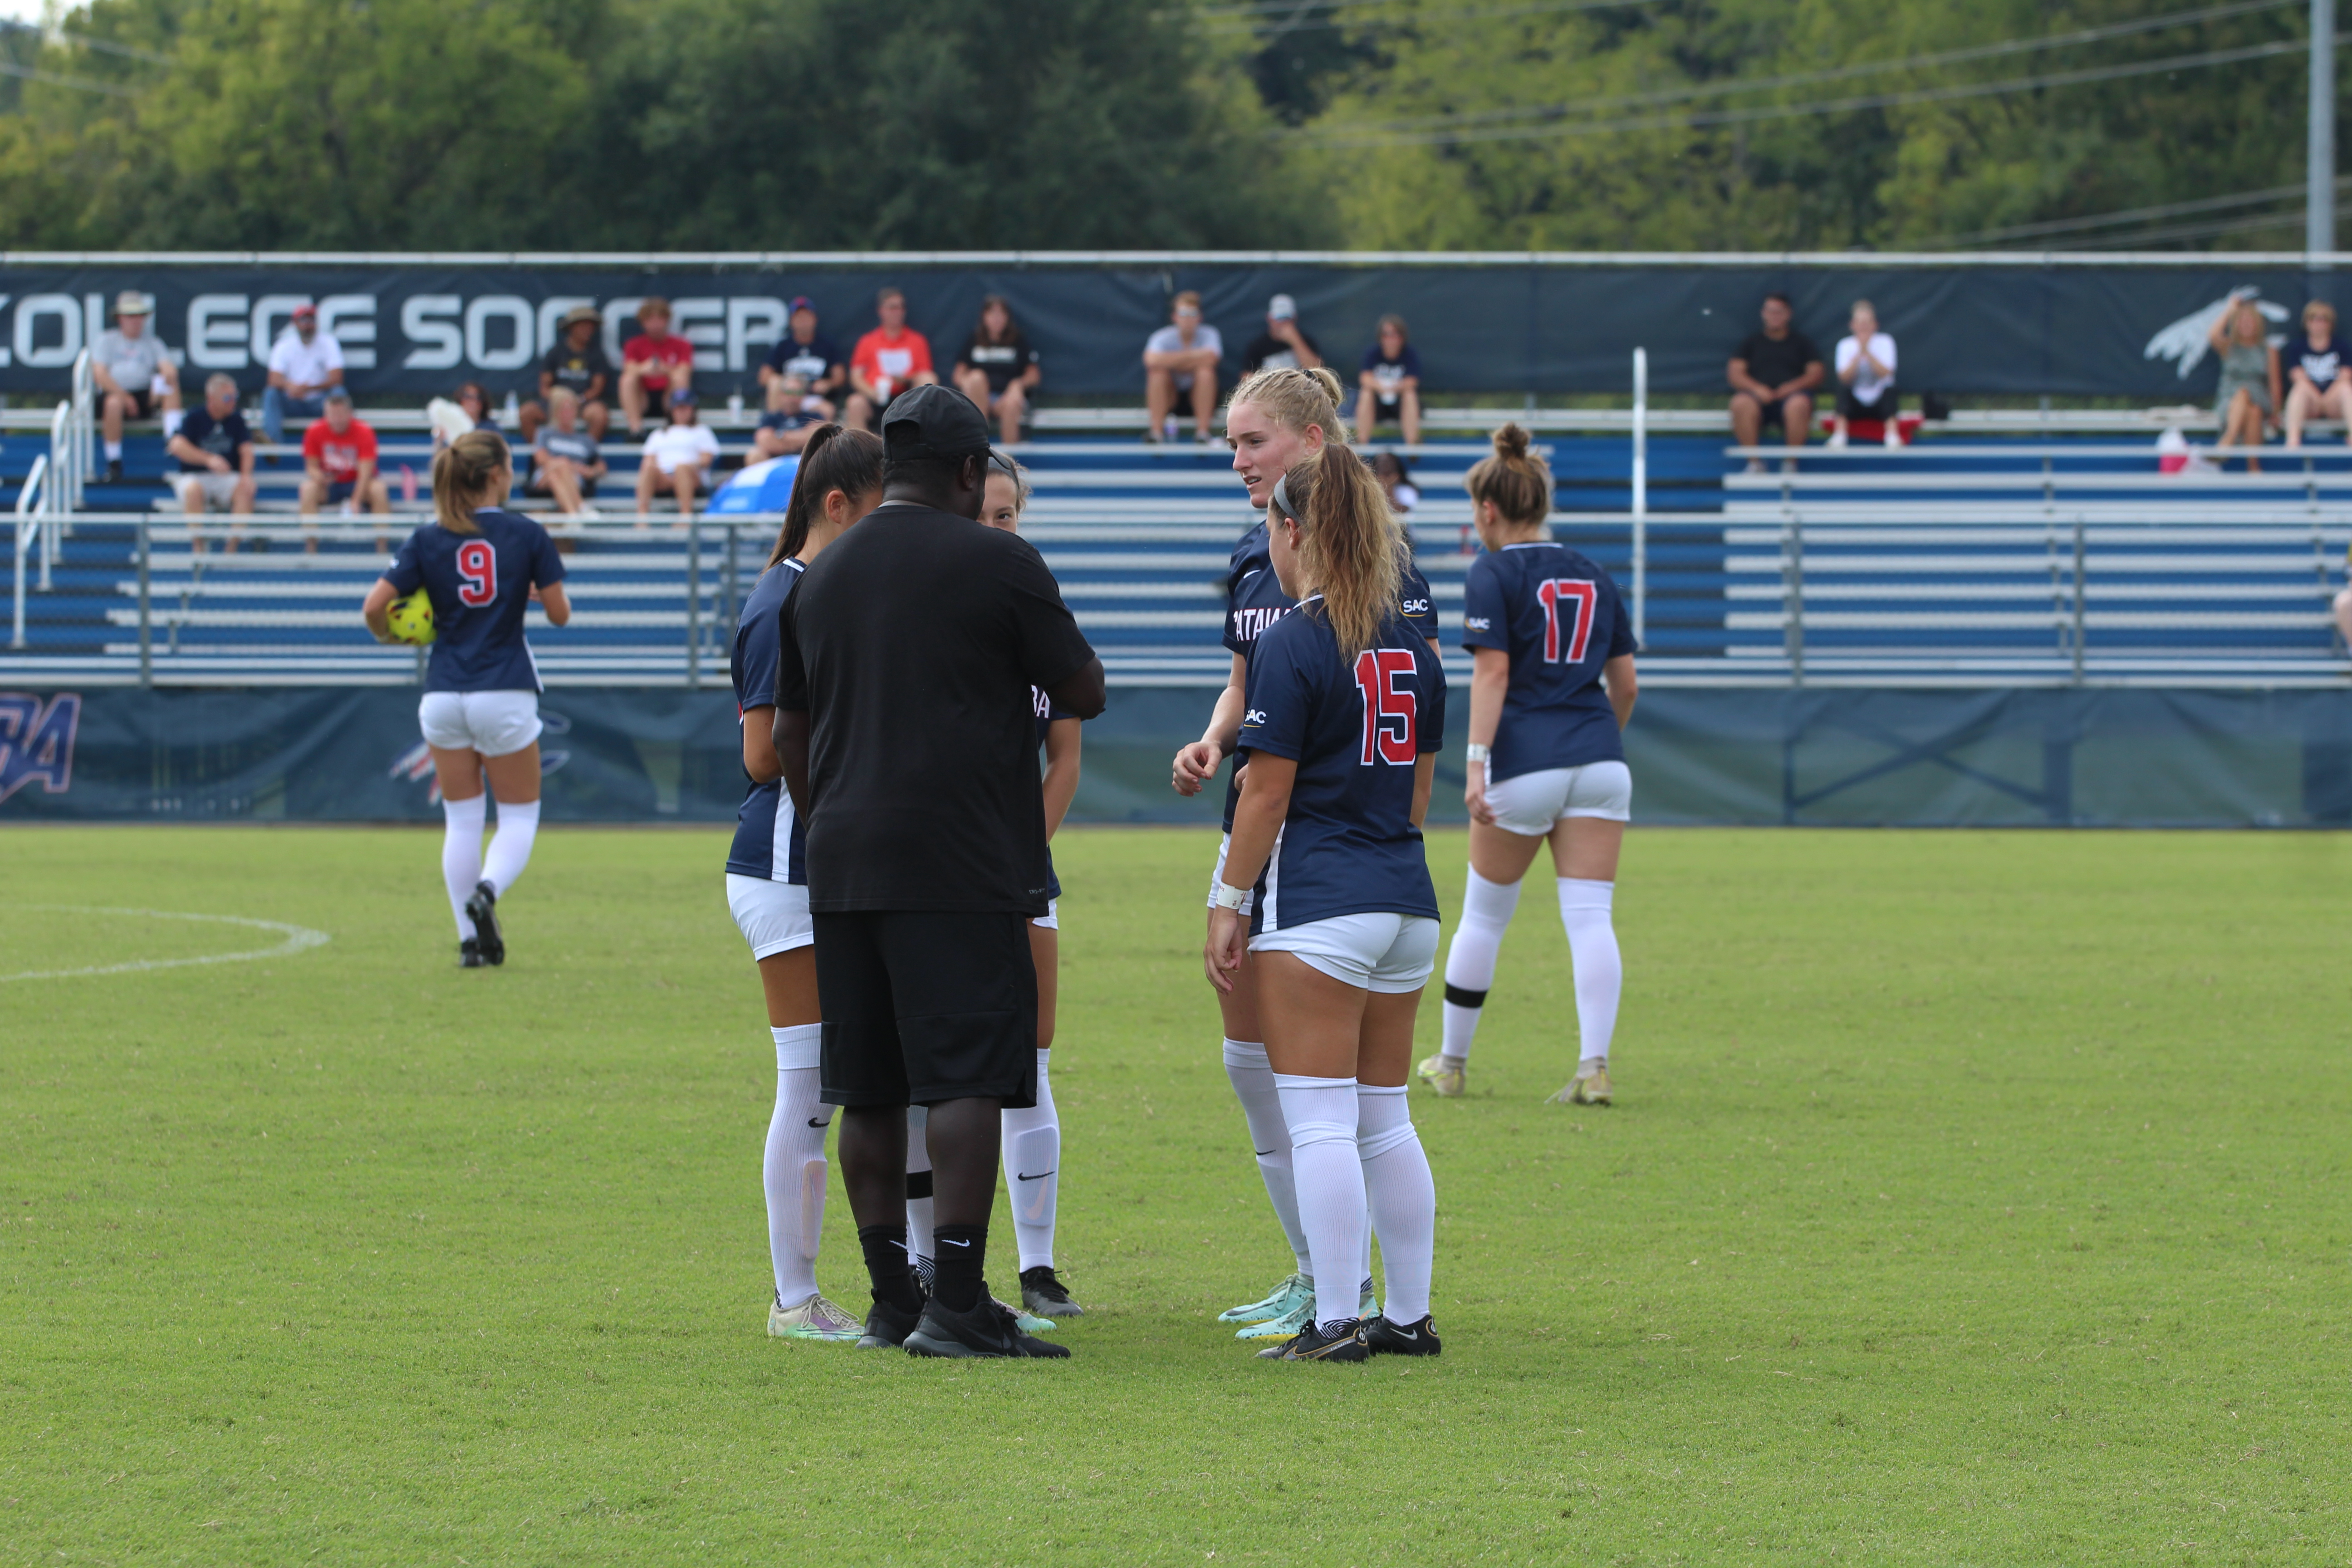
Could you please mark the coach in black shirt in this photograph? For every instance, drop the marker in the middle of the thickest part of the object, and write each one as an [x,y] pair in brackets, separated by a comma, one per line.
[1773,374]
[909,738]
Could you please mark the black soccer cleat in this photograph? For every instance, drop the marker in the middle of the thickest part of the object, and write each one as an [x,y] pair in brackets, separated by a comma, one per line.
[886,1327]
[469,954]
[482,908]
[1323,1341]
[1384,1338]
[986,1331]
[1046,1296]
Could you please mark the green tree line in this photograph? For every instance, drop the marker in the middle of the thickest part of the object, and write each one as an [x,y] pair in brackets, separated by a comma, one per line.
[1441,124]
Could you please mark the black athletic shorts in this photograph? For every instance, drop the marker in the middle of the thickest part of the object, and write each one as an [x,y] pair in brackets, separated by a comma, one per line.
[922,1006]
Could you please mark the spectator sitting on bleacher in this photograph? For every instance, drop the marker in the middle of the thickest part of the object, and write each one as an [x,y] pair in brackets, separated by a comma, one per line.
[2315,370]
[1773,374]
[466,409]
[655,365]
[886,362]
[338,465]
[216,454]
[1396,483]
[1285,344]
[1389,386]
[565,461]
[578,364]
[1865,369]
[804,372]
[1179,359]
[135,376]
[679,455]
[783,431]
[2246,398]
[998,368]
[303,362]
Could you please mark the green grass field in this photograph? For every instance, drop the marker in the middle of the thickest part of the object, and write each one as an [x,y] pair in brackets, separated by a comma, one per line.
[1971,1199]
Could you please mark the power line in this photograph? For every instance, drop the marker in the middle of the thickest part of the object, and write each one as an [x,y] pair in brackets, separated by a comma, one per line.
[1835,106]
[1807,78]
[83,40]
[2291,219]
[79,84]
[2109,220]
[1227,19]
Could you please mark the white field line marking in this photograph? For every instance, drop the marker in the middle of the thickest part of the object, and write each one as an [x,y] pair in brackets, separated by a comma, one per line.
[297,938]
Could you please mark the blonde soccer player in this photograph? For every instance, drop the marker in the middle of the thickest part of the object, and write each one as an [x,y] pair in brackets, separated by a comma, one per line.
[1549,701]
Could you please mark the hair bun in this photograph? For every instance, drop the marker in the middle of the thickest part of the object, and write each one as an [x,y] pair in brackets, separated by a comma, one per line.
[1327,380]
[1511,442]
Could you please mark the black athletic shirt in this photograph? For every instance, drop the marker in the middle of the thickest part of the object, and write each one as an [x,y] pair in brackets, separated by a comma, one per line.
[911,644]
[1774,364]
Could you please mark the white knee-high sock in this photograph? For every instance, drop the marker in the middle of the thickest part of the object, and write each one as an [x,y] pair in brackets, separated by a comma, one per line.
[461,855]
[1252,1083]
[1403,1198]
[919,1181]
[1322,1112]
[1600,972]
[1470,961]
[1033,1154]
[510,845]
[794,1169]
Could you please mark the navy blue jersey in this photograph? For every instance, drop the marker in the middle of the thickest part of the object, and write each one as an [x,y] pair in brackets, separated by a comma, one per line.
[1254,601]
[770,841]
[1561,618]
[480,585]
[1048,711]
[1357,728]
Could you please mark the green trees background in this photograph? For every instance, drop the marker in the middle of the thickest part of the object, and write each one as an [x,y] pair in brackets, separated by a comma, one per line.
[1441,125]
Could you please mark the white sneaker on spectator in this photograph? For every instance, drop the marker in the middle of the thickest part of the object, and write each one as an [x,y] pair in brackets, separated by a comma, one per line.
[589,514]
[1836,443]
[1894,435]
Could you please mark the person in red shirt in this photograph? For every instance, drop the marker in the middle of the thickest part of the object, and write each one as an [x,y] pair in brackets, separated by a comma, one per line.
[886,362]
[338,465]
[653,364]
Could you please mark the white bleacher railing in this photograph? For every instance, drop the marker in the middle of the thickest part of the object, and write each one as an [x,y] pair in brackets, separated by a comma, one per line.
[74,450]
[1641,490]
[29,521]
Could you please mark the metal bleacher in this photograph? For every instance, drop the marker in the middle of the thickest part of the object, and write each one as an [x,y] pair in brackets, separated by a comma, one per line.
[1976,556]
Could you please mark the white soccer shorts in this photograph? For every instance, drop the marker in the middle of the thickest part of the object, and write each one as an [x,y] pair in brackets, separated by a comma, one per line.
[1530,803]
[1370,953]
[773,916]
[1217,878]
[495,723]
[1052,919]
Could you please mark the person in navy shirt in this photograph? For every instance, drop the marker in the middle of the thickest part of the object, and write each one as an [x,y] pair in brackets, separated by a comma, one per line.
[1033,1138]
[1344,710]
[2317,384]
[480,565]
[1549,701]
[839,481]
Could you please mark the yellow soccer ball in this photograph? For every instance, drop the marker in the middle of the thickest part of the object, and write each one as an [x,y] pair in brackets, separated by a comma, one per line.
[412,619]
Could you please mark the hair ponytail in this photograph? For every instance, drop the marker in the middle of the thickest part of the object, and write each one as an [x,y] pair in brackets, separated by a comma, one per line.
[463,473]
[1350,544]
[836,459]
[1293,398]
[1513,478]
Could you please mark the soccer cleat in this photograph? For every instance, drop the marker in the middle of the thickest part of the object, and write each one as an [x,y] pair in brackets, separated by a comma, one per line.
[482,909]
[989,1331]
[1446,1080]
[1323,1341]
[1027,1322]
[1585,1089]
[1292,1293]
[1367,1306]
[469,954]
[815,1319]
[1046,1296]
[1384,1338]
[886,1327]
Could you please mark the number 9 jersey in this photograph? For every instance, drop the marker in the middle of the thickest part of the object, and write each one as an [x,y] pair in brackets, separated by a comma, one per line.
[480,584]
[1357,728]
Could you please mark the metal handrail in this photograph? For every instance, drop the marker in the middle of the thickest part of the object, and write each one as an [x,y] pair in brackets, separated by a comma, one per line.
[28,518]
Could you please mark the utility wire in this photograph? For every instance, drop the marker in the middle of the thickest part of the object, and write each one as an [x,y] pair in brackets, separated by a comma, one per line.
[1807,78]
[79,84]
[2109,220]
[1227,19]
[83,40]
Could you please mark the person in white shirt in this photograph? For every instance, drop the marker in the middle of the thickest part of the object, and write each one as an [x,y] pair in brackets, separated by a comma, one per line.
[1181,360]
[303,362]
[679,454]
[135,375]
[1865,372]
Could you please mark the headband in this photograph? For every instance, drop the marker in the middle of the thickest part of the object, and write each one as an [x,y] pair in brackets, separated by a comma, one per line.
[1281,498]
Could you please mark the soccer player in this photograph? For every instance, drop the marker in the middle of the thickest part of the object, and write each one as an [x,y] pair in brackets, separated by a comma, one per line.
[1276,417]
[1033,1138]
[1326,879]
[480,565]
[1553,687]
[839,481]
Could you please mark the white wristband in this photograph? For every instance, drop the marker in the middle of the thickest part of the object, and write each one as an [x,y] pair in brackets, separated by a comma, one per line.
[1228,896]
[1477,753]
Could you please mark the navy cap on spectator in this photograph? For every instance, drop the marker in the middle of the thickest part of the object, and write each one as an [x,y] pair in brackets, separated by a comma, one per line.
[933,422]
[803,302]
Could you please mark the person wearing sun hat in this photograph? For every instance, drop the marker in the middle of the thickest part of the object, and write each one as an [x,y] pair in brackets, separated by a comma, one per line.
[578,364]
[135,376]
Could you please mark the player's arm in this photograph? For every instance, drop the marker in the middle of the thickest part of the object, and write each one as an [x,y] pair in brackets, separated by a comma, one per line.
[1425,775]
[1265,803]
[1617,675]
[1490,679]
[1197,763]
[376,611]
[790,741]
[556,603]
[1061,770]
[760,758]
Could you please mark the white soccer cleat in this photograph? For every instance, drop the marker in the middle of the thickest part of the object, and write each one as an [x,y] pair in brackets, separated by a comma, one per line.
[815,1319]
[1280,1302]
[1445,1077]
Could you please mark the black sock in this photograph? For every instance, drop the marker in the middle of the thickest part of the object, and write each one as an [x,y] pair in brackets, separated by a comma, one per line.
[886,1264]
[958,1253]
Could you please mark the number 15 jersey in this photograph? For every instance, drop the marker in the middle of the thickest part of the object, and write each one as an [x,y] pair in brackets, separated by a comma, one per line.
[480,584]
[1356,728]
[1561,618]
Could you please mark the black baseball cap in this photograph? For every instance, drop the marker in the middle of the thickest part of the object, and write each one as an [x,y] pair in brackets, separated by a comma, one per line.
[933,422]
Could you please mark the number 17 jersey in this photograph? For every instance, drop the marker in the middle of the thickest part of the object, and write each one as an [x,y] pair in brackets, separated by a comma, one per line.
[480,584]
[1560,618]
